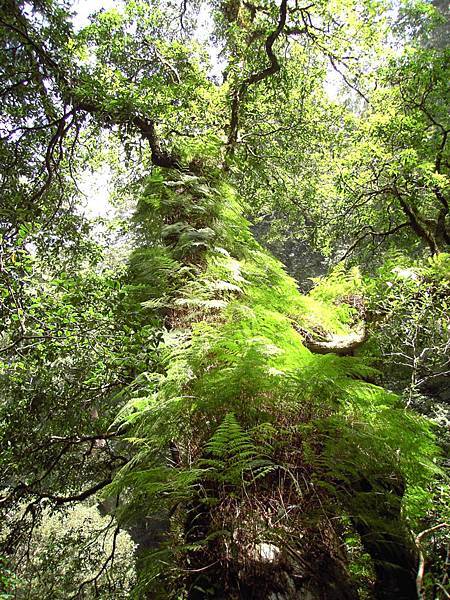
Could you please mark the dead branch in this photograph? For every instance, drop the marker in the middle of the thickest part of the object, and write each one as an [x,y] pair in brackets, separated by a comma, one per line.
[421,568]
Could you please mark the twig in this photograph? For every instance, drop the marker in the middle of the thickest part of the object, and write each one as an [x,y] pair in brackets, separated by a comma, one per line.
[421,568]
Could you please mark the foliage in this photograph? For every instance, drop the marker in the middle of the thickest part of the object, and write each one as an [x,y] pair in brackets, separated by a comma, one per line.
[409,302]
[75,554]
[61,359]
[178,380]
[232,455]
[375,177]
[237,348]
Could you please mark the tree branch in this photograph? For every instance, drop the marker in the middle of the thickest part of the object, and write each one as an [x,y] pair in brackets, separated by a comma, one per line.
[272,68]
[369,231]
[341,345]
[147,128]
[421,569]
[59,500]
[416,223]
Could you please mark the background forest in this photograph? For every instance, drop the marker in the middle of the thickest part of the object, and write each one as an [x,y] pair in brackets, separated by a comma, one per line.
[233,381]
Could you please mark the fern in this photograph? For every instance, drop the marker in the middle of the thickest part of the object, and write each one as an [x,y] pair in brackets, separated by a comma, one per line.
[231,365]
[233,455]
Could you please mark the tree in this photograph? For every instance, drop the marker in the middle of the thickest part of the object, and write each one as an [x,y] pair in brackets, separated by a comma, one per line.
[398,177]
[262,454]
[375,172]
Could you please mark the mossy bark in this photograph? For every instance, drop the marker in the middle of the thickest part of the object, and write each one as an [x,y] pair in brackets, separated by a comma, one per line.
[387,540]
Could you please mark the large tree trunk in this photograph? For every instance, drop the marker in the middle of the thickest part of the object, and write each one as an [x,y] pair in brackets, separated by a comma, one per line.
[243,559]
[394,560]
[275,536]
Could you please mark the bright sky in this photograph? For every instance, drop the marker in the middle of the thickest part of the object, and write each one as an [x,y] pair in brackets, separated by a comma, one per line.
[95,189]
[84,8]
[94,186]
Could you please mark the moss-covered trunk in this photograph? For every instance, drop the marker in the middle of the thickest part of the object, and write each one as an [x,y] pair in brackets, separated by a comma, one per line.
[267,434]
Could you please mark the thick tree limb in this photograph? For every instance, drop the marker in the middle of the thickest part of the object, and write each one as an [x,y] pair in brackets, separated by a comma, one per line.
[337,344]
[441,225]
[59,500]
[272,68]
[160,157]
[417,224]
[146,127]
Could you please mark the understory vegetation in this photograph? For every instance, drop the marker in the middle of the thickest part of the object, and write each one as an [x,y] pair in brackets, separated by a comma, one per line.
[234,382]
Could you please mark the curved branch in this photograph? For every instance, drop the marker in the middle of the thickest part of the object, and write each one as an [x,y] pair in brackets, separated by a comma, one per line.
[368,231]
[345,78]
[183,14]
[59,500]
[272,68]
[147,128]
[417,223]
[337,344]
[421,568]
[160,157]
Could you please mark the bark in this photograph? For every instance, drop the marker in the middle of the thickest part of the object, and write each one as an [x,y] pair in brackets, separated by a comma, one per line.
[272,68]
[421,569]
[295,571]
[307,565]
[337,344]
[386,539]
[418,225]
